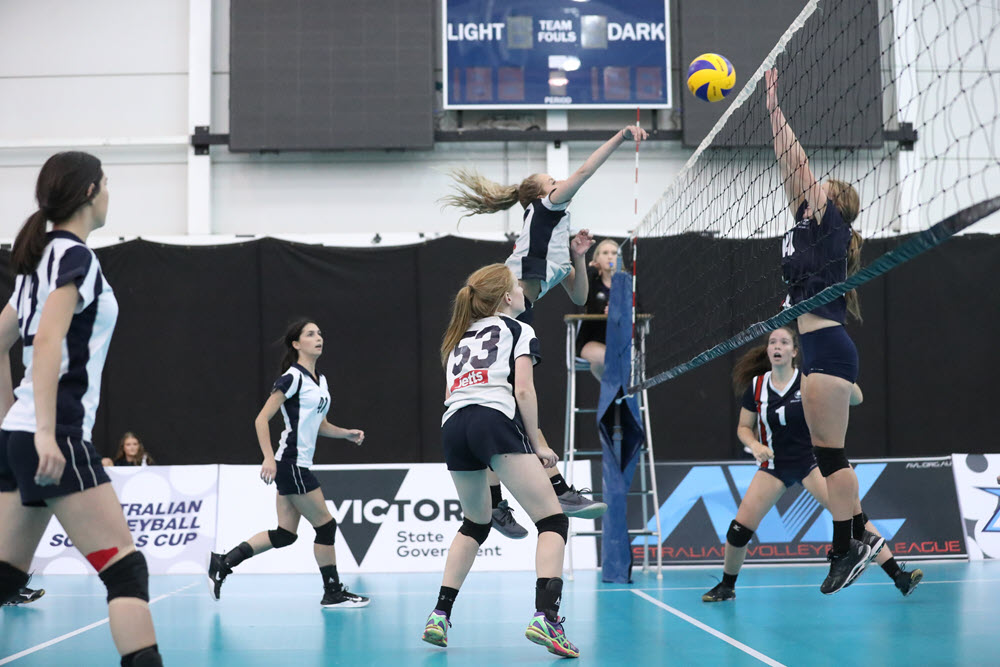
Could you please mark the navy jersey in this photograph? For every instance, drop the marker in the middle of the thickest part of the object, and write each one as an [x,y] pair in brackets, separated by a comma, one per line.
[781,423]
[542,249]
[66,260]
[598,298]
[307,400]
[813,257]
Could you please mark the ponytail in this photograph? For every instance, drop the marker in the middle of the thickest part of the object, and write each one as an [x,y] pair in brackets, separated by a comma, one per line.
[67,182]
[30,244]
[476,194]
[853,266]
[480,297]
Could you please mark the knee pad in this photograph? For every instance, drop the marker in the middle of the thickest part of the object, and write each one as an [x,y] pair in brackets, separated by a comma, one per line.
[477,531]
[146,657]
[128,578]
[281,537]
[557,523]
[327,533]
[738,535]
[12,580]
[830,459]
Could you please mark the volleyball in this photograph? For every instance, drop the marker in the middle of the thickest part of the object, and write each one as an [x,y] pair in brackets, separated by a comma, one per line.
[711,77]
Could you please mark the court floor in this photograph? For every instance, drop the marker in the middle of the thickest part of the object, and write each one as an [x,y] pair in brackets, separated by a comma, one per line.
[778,618]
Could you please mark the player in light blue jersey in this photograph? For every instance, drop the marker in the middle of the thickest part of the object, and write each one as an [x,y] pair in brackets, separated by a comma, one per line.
[303,397]
[64,311]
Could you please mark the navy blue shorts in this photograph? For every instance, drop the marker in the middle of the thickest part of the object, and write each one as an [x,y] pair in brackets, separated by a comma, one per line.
[790,472]
[829,351]
[294,480]
[475,434]
[19,462]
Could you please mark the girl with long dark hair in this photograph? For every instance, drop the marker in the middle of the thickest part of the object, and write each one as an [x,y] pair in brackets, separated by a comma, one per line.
[303,397]
[64,312]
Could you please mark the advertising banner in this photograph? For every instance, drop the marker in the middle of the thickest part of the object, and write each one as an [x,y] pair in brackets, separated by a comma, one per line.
[524,54]
[977,478]
[912,502]
[169,509]
[390,518]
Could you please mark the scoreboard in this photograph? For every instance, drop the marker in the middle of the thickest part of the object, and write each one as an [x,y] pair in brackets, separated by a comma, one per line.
[556,54]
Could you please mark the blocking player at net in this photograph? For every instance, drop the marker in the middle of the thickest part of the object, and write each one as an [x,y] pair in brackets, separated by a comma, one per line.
[772,425]
[491,420]
[822,250]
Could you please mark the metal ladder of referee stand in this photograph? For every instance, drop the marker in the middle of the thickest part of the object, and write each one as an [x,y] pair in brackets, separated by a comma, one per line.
[647,469]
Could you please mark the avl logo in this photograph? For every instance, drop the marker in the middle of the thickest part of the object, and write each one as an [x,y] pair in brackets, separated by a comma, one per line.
[714,486]
[993,525]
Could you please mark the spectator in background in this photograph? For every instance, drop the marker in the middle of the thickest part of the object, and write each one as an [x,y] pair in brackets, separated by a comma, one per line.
[590,343]
[130,453]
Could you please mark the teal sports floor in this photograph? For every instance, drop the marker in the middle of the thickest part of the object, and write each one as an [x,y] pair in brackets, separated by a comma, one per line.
[778,618]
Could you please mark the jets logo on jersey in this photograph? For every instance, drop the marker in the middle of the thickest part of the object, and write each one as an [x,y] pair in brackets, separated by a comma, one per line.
[470,378]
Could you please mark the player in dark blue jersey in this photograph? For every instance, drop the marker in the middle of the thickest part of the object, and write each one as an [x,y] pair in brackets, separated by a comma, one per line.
[819,251]
[773,426]
[64,312]
[303,397]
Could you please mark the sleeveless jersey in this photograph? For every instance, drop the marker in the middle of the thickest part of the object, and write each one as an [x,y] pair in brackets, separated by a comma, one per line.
[781,423]
[813,257]
[542,249]
[306,403]
[480,370]
[66,260]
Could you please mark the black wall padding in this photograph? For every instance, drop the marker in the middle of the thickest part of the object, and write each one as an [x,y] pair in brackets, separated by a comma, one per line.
[196,350]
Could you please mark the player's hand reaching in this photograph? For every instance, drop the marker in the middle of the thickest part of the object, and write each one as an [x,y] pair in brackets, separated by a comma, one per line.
[771,88]
[630,132]
[50,460]
[355,435]
[762,453]
[548,457]
[580,244]
[268,470]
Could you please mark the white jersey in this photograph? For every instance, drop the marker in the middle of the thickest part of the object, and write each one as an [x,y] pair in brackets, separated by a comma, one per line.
[66,260]
[306,403]
[542,249]
[480,370]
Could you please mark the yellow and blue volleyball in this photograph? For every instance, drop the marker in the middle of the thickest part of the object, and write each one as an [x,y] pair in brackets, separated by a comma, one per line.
[711,77]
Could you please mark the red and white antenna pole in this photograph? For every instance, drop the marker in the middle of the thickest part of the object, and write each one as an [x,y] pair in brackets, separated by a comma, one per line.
[635,239]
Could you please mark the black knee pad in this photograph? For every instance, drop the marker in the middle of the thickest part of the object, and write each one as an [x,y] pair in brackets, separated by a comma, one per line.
[281,537]
[128,578]
[831,459]
[738,535]
[145,657]
[557,523]
[12,580]
[477,531]
[326,533]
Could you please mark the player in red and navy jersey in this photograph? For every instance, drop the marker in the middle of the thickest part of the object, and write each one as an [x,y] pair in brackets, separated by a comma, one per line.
[491,420]
[773,426]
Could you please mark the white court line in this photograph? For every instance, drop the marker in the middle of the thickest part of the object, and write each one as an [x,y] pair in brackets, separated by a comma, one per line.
[712,631]
[68,635]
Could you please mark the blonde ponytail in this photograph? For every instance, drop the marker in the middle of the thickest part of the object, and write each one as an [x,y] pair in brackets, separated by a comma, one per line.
[476,194]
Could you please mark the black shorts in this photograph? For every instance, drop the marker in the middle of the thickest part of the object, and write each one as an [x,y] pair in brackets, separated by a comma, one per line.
[294,480]
[790,472]
[474,434]
[19,463]
[829,351]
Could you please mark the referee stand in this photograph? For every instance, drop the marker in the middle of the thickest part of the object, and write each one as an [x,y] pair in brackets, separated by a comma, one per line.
[647,477]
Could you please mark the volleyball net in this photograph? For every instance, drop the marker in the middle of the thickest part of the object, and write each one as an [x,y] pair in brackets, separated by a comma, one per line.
[899,98]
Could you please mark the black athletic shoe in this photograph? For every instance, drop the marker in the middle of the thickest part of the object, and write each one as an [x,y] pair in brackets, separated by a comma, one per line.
[907,581]
[217,573]
[846,567]
[27,595]
[875,543]
[720,593]
[504,521]
[341,598]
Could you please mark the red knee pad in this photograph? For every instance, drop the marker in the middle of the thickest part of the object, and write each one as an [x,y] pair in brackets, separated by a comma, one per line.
[100,558]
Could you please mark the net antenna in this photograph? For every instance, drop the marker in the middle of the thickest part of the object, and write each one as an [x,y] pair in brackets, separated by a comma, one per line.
[898,99]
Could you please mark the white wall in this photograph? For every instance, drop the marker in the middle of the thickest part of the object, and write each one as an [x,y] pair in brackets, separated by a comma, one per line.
[73,73]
